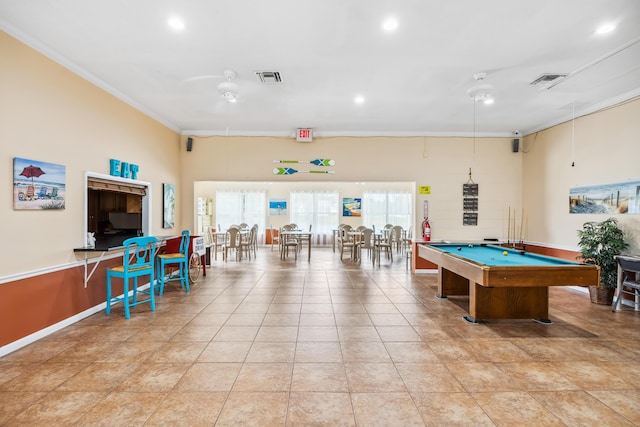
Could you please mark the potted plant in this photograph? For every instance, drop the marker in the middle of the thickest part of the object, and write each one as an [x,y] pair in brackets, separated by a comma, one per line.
[599,243]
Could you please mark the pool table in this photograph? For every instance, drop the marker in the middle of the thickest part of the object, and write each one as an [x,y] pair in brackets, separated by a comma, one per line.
[503,283]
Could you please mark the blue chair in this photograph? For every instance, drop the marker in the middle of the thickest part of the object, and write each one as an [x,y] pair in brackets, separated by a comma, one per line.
[43,192]
[137,261]
[180,258]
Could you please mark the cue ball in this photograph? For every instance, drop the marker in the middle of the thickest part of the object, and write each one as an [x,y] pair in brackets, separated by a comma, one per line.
[470,246]
[459,248]
[505,253]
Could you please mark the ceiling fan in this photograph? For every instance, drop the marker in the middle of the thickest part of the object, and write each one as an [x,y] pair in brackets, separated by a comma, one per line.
[227,88]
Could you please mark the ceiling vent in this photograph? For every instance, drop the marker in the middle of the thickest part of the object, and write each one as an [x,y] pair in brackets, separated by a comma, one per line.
[547,81]
[269,76]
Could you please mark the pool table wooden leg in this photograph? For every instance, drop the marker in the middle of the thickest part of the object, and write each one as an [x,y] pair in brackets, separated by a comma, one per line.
[509,303]
[450,283]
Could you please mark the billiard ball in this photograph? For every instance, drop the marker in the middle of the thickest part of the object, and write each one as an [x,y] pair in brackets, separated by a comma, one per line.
[459,248]
[470,246]
[505,253]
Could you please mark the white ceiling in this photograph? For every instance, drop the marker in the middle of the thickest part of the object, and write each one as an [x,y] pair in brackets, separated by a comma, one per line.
[415,80]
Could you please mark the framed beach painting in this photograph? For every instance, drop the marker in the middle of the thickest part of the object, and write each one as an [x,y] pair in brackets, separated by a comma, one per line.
[278,207]
[609,198]
[351,206]
[168,205]
[38,185]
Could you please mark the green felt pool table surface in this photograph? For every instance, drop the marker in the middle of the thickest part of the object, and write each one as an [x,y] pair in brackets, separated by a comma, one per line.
[492,255]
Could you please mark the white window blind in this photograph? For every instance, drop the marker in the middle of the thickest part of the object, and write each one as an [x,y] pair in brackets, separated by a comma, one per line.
[320,209]
[236,207]
[381,208]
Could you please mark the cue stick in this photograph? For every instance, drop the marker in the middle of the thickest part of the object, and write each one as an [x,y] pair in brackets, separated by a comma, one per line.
[509,226]
[521,224]
[513,235]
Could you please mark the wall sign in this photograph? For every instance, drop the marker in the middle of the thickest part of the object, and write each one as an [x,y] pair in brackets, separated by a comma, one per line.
[123,169]
[304,135]
[470,202]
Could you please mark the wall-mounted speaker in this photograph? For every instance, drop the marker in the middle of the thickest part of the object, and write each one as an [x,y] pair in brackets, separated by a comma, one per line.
[189,144]
[516,145]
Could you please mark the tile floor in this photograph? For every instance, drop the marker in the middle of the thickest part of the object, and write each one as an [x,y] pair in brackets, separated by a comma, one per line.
[269,342]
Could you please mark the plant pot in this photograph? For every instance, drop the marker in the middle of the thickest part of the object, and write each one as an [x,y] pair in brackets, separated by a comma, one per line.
[601,294]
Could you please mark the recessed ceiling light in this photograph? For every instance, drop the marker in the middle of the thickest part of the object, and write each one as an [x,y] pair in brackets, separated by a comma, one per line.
[359,99]
[390,24]
[605,28]
[176,23]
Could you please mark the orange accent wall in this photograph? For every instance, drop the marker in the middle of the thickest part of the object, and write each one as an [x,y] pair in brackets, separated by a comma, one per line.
[418,263]
[30,305]
[267,235]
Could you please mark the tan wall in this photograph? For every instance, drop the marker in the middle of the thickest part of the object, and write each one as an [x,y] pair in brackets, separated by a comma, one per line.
[51,114]
[605,149]
[442,163]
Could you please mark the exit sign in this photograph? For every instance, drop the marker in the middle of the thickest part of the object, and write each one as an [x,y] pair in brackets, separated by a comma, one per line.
[304,135]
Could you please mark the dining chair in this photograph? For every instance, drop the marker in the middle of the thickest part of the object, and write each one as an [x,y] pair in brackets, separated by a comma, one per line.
[247,242]
[180,258]
[254,239]
[407,245]
[366,242]
[304,240]
[232,242]
[396,235]
[344,240]
[385,243]
[208,242]
[137,261]
[275,237]
[287,242]
[628,280]
[219,240]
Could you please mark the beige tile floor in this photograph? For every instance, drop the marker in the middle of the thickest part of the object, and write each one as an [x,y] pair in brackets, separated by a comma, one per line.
[270,342]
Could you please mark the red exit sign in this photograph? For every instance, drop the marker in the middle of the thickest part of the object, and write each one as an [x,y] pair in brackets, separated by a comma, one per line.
[304,135]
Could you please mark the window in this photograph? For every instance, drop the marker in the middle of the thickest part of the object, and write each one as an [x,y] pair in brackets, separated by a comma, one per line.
[320,209]
[116,209]
[236,207]
[381,208]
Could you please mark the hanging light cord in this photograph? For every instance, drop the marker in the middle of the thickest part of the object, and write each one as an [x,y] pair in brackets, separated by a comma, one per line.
[573,134]
[474,127]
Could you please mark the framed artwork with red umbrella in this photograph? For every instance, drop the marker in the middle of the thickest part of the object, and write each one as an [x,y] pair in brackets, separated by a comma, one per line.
[38,185]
